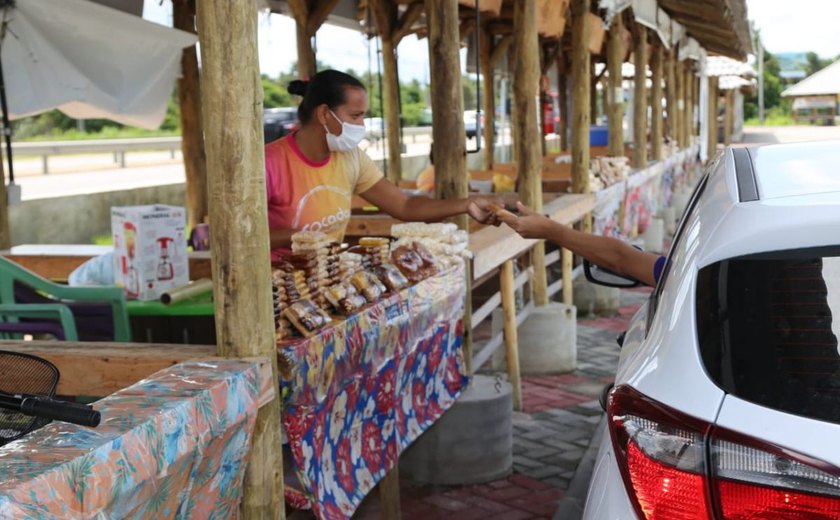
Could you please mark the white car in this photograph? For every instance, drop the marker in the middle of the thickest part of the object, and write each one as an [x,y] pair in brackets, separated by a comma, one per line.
[726,401]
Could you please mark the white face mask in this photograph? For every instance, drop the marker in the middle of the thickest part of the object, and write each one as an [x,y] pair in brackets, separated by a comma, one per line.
[349,138]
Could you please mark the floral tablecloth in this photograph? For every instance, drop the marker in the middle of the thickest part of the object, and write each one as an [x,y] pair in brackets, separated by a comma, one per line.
[624,209]
[363,390]
[174,445]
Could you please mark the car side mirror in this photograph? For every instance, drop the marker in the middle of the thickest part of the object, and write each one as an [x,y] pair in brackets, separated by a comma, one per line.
[605,277]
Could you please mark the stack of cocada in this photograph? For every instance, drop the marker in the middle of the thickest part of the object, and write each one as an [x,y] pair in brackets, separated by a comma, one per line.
[322,278]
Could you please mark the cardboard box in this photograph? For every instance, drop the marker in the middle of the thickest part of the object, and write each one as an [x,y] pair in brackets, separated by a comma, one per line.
[150,249]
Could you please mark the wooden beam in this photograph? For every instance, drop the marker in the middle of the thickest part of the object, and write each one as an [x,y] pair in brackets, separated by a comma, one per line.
[448,131]
[712,115]
[615,113]
[318,15]
[233,131]
[408,18]
[580,96]
[656,103]
[189,99]
[500,48]
[640,98]
[489,98]
[528,141]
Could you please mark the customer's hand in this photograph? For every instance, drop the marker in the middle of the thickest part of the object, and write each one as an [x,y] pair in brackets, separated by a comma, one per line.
[528,223]
[483,208]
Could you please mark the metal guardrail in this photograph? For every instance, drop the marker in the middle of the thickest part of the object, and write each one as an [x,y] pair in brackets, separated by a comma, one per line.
[118,147]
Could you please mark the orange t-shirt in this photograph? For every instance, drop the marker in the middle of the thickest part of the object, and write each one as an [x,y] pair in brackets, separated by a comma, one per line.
[426,180]
[314,196]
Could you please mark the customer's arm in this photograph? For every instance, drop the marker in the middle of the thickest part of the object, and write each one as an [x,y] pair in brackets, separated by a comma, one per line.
[609,253]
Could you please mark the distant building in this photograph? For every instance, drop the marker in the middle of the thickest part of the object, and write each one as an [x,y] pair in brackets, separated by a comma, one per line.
[815,98]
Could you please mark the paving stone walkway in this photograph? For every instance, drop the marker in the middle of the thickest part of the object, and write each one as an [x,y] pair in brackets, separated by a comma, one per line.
[561,413]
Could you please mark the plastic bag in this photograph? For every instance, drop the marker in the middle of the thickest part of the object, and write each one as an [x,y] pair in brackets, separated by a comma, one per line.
[99,270]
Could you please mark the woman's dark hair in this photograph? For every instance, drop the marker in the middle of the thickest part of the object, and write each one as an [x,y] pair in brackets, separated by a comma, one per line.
[325,88]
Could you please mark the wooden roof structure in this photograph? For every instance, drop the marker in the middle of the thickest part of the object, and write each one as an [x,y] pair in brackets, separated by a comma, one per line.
[720,26]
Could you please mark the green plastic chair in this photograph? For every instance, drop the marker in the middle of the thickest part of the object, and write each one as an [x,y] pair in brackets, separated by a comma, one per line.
[30,304]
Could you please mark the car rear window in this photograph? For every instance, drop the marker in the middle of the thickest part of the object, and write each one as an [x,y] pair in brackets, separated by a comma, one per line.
[768,325]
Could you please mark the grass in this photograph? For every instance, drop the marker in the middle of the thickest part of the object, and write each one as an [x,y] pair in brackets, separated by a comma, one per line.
[774,117]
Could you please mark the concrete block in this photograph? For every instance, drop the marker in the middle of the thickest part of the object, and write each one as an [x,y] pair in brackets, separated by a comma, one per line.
[547,340]
[472,443]
[654,235]
[591,299]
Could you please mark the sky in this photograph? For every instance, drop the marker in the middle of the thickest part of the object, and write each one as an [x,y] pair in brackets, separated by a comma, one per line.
[798,26]
[786,26]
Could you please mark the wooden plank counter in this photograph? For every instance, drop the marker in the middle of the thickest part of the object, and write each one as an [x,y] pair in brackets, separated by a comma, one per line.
[101,368]
[57,261]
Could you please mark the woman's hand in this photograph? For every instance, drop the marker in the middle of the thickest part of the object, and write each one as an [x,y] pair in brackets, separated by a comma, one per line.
[528,223]
[483,208]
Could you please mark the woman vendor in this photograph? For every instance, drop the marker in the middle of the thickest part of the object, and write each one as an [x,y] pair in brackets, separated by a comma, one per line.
[312,174]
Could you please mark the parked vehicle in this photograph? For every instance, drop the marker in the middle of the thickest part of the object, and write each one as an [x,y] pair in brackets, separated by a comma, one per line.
[726,401]
[278,122]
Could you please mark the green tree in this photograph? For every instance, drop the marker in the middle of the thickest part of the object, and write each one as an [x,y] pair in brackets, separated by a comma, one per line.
[813,63]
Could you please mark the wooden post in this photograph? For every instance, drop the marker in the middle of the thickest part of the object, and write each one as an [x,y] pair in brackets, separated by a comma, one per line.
[593,92]
[529,151]
[656,103]
[239,242]
[640,97]
[563,99]
[391,108]
[489,97]
[189,99]
[671,95]
[615,115]
[566,258]
[712,115]
[728,119]
[679,120]
[392,29]
[308,19]
[305,53]
[448,131]
[506,282]
[5,231]
[389,494]
[580,100]
[689,103]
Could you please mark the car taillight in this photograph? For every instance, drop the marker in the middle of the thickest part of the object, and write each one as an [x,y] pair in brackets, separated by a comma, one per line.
[758,481]
[677,467]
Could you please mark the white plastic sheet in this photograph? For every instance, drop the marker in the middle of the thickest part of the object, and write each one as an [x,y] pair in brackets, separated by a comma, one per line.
[89,61]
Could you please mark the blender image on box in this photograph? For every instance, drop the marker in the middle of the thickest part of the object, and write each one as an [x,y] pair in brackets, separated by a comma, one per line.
[165,269]
[132,278]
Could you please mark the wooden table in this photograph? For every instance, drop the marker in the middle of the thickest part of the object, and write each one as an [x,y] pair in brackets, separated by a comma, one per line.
[57,261]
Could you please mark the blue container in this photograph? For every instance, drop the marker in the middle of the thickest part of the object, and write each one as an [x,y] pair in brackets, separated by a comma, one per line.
[598,135]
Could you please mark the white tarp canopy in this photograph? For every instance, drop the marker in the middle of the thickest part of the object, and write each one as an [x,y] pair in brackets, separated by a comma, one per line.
[89,61]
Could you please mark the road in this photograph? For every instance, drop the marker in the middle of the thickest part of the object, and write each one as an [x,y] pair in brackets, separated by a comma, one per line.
[74,175]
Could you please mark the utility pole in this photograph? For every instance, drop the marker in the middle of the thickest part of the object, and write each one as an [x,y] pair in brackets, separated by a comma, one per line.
[760,78]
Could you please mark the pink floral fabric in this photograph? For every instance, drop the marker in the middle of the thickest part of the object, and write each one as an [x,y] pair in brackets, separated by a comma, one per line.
[174,445]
